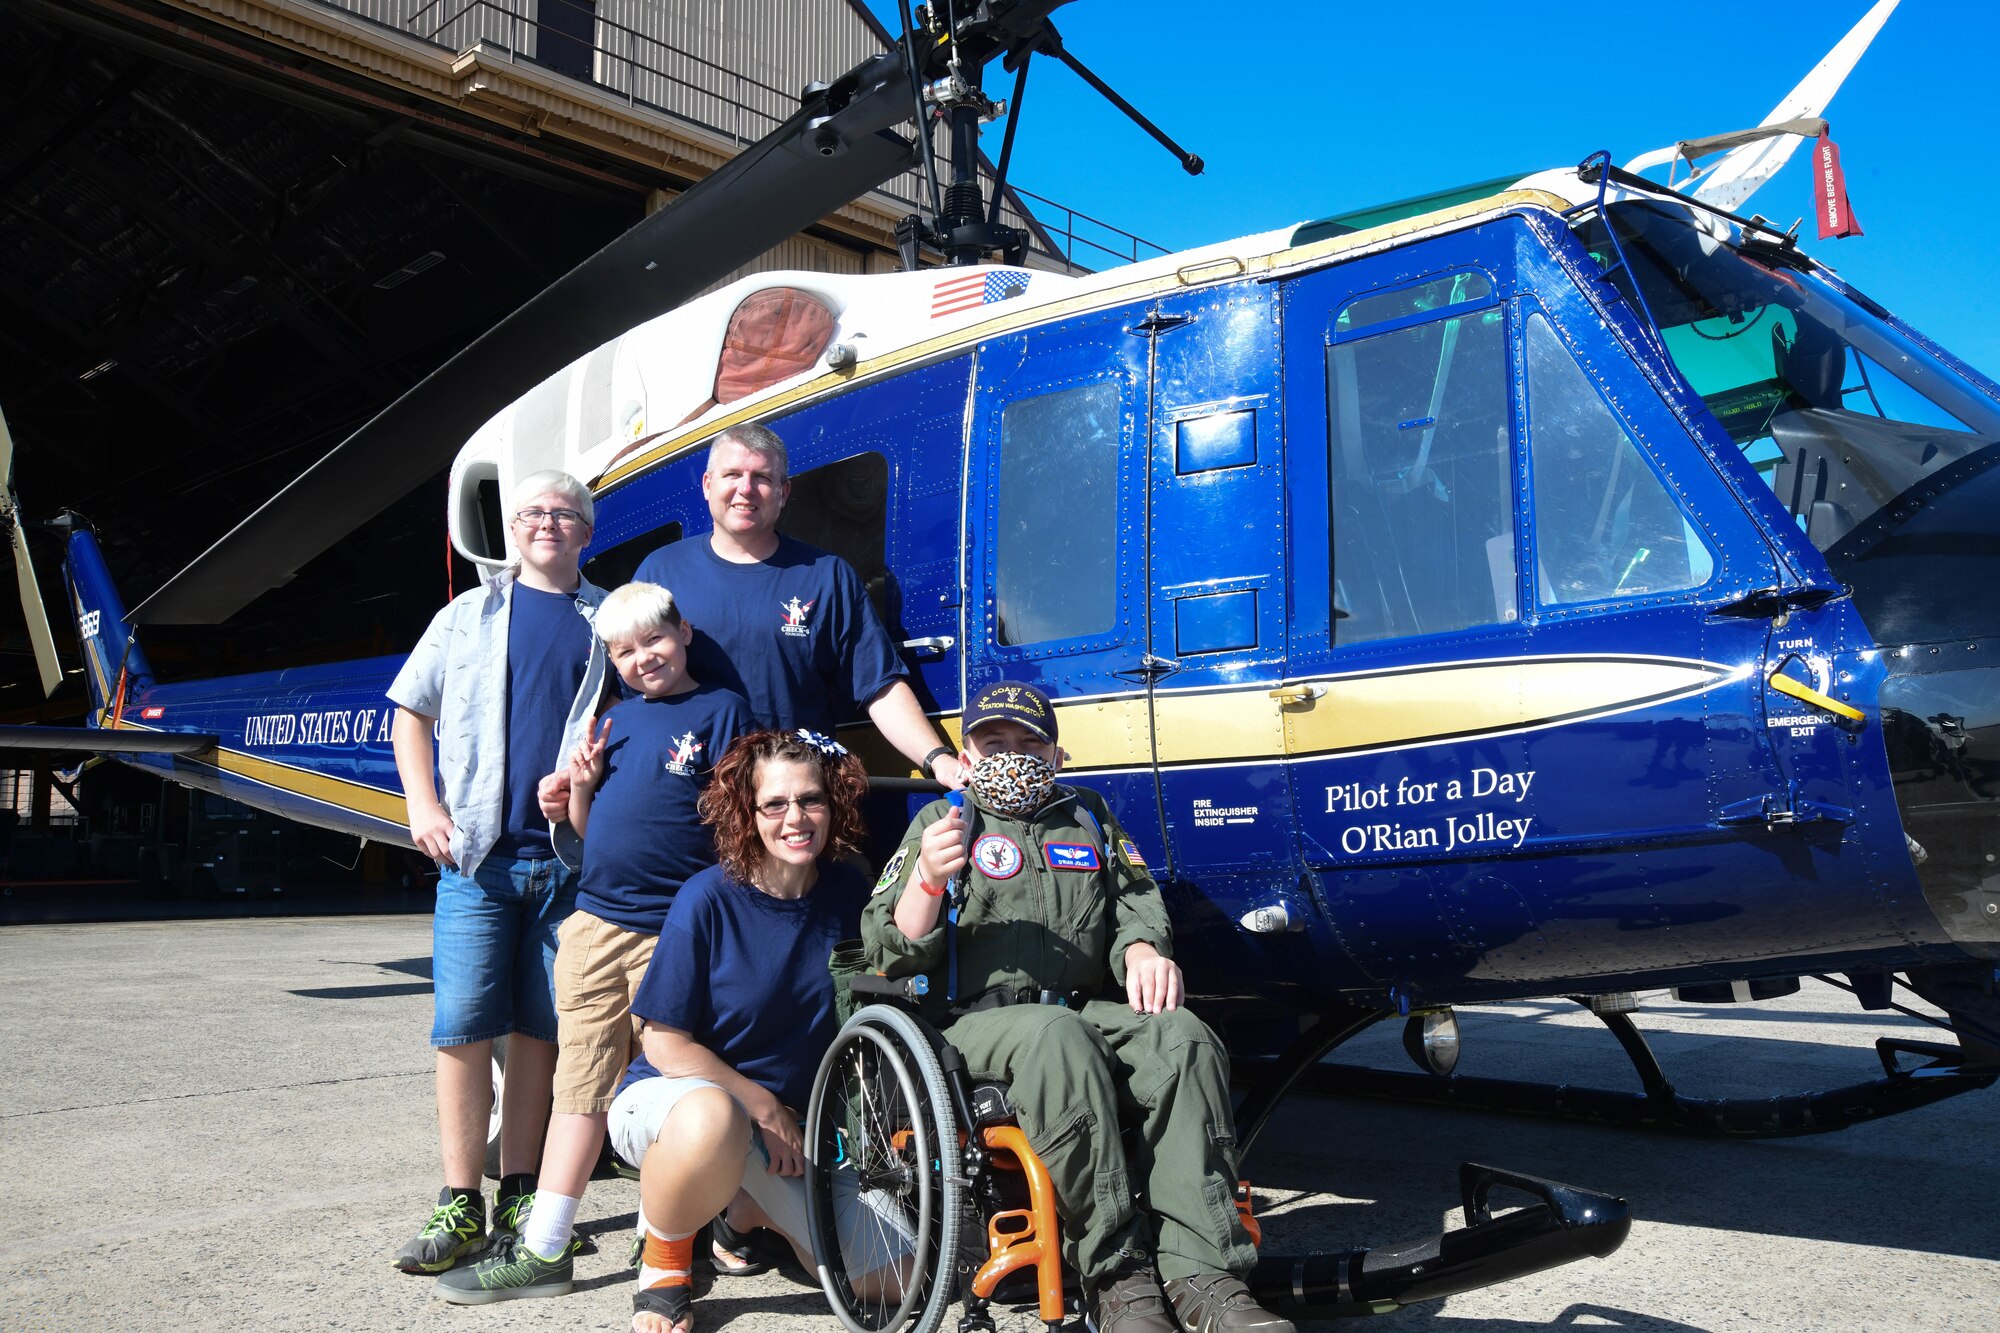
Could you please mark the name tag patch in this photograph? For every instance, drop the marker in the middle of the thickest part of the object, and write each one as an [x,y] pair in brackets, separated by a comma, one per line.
[1071,856]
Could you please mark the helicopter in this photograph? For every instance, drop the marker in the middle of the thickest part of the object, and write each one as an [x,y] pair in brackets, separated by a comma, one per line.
[1562,586]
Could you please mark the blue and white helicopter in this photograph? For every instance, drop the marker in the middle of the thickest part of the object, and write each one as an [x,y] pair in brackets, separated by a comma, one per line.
[1562,587]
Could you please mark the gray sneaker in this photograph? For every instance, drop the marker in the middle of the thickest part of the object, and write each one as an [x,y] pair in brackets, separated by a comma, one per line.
[1132,1302]
[1220,1303]
[457,1227]
[507,1276]
[510,1218]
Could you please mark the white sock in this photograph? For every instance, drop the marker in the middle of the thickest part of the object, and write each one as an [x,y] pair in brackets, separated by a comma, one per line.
[550,1223]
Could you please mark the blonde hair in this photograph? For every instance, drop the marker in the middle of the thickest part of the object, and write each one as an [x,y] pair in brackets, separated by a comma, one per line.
[635,608]
[553,481]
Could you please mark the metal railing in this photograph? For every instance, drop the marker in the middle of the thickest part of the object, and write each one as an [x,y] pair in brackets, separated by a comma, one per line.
[622,60]
[1120,245]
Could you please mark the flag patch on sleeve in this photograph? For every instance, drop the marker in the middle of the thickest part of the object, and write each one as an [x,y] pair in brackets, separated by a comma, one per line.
[1130,851]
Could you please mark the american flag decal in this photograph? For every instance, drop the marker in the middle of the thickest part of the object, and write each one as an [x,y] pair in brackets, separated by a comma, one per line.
[975,289]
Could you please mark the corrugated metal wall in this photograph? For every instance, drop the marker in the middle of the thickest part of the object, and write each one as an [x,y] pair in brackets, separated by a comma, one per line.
[732,66]
[457,24]
[800,252]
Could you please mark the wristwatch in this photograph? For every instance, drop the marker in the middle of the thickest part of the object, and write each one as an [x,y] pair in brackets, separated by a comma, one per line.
[932,758]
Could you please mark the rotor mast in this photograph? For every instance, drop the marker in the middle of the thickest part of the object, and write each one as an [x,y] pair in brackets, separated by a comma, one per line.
[945,54]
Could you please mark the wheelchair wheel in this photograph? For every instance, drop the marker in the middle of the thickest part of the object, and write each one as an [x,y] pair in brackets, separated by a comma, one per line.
[882,1139]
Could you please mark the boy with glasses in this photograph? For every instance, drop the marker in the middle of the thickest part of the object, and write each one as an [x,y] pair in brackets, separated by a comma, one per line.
[634,786]
[507,677]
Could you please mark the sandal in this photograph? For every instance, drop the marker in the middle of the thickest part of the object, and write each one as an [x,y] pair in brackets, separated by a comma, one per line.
[674,1304]
[738,1253]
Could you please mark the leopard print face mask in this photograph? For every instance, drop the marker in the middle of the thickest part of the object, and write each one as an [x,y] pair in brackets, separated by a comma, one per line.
[1012,784]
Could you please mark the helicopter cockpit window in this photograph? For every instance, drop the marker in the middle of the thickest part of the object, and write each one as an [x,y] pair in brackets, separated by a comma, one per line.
[1605,524]
[1839,411]
[1422,468]
[1056,529]
[1423,298]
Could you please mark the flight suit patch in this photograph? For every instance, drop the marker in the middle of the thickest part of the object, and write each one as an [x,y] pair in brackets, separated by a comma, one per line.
[890,871]
[997,856]
[1071,856]
[1131,854]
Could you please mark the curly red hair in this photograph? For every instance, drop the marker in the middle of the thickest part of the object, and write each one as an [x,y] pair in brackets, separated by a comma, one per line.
[729,805]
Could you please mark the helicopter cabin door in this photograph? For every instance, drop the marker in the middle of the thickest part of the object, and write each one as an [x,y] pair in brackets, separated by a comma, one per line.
[1520,706]
[1055,550]
[1215,504]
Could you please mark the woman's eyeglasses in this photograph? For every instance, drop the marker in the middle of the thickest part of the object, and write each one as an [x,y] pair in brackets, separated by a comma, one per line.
[810,804]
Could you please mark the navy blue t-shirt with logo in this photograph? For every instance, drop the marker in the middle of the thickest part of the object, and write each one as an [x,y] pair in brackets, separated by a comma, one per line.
[645,836]
[795,634]
[548,647]
[745,975]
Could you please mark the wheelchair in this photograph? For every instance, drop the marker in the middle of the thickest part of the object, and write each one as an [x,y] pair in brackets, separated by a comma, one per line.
[941,1175]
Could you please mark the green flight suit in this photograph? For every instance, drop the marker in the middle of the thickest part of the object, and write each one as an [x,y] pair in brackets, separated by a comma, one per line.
[1077,1077]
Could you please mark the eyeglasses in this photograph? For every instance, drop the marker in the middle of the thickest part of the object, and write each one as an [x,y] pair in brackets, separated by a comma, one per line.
[534,518]
[811,804]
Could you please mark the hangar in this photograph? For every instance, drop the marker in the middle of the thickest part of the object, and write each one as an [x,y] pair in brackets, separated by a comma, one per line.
[233,230]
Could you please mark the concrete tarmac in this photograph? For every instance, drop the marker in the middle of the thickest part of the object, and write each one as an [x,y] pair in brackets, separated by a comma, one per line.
[228,1125]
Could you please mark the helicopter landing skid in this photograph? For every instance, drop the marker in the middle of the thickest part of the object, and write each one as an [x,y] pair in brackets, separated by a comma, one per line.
[1566,1223]
[1944,1072]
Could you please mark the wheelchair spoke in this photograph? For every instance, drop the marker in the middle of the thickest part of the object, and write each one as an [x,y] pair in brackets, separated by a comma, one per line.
[882,1192]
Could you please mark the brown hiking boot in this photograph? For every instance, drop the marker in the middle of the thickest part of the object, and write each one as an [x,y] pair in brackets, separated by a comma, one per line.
[1132,1302]
[1220,1303]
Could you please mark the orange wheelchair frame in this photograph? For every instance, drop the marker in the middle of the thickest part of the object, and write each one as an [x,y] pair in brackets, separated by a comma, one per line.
[895,1120]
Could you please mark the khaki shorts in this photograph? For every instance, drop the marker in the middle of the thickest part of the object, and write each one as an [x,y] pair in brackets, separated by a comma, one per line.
[598,970]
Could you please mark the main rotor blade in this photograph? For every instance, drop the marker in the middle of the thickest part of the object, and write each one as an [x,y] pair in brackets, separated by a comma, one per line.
[1736,177]
[818,160]
[1740,172]
[32,609]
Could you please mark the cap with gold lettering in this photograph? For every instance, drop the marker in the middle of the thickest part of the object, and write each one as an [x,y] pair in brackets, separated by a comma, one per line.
[1012,701]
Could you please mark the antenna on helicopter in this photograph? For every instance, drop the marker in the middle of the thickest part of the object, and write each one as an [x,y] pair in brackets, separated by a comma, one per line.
[961,226]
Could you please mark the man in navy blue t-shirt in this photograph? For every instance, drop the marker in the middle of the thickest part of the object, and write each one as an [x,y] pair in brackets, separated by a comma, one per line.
[787,625]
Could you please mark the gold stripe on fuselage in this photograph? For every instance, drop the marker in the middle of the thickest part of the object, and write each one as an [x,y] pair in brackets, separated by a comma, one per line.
[342,792]
[1396,708]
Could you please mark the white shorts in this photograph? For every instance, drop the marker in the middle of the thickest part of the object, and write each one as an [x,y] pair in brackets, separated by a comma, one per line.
[872,1232]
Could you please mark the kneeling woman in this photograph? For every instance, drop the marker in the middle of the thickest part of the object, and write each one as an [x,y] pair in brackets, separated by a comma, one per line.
[738,1009]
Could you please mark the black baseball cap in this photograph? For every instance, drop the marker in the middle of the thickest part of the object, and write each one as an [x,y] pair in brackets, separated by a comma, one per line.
[1012,701]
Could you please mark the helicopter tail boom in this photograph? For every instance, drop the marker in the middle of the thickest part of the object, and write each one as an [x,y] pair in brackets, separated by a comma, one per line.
[113,663]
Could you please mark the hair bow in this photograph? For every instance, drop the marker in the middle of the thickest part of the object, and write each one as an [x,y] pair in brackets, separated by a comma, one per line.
[826,745]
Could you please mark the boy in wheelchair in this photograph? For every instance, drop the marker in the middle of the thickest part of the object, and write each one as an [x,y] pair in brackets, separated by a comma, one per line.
[1055,912]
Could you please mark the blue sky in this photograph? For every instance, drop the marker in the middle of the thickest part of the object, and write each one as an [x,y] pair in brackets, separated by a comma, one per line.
[1303,111]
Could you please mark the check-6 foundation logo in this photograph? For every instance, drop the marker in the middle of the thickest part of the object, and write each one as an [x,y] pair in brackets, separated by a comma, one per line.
[87,622]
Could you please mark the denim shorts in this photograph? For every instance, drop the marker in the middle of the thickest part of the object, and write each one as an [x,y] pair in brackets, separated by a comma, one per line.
[493,949]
